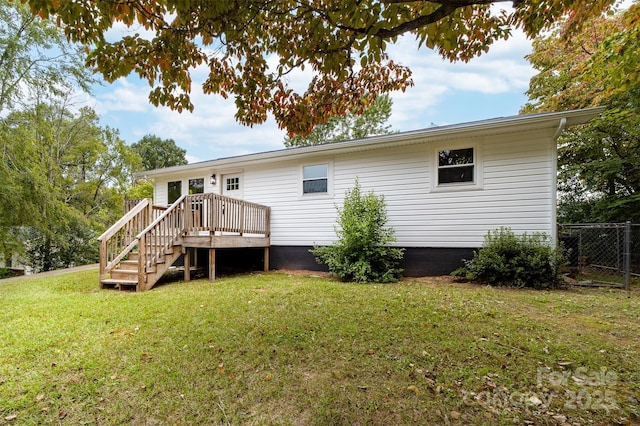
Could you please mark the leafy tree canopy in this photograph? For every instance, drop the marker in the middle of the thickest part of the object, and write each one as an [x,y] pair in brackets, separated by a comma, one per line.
[589,67]
[157,153]
[249,47]
[371,122]
[61,183]
[35,57]
[599,178]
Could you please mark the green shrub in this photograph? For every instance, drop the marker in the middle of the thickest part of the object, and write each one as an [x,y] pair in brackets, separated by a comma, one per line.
[515,260]
[362,253]
[5,273]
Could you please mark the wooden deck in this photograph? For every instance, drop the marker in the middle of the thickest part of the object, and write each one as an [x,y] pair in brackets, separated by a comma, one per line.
[137,250]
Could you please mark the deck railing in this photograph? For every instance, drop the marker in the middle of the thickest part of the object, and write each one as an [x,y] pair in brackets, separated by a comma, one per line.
[215,213]
[155,230]
[158,238]
[117,241]
[130,204]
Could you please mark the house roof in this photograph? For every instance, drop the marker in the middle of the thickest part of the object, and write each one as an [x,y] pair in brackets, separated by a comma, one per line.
[517,123]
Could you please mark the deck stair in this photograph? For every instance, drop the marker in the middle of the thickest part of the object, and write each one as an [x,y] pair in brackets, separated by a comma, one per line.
[138,249]
[125,275]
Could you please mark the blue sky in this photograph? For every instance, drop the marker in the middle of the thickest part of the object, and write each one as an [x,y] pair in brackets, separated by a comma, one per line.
[492,85]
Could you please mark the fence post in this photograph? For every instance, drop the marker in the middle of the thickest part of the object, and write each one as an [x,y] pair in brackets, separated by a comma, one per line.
[627,255]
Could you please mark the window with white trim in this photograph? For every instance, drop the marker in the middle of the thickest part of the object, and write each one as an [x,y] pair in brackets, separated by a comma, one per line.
[233,184]
[456,166]
[315,179]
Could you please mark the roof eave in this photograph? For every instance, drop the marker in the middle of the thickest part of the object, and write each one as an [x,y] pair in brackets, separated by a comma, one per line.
[507,124]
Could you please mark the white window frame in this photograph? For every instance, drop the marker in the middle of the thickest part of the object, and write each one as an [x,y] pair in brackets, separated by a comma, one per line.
[236,183]
[301,179]
[477,182]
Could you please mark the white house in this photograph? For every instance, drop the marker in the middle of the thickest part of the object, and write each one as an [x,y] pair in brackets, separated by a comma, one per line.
[445,187]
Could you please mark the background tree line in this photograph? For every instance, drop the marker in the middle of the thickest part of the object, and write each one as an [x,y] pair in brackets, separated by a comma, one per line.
[599,65]
[63,176]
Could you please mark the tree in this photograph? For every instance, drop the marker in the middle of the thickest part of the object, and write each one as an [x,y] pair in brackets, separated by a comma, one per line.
[350,126]
[141,189]
[157,153]
[35,57]
[249,47]
[599,179]
[362,252]
[67,177]
[584,68]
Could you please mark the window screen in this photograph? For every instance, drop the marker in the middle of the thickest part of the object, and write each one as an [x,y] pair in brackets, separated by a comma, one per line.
[314,179]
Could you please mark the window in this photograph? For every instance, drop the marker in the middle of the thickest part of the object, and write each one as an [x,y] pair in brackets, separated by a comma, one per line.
[456,166]
[196,186]
[315,179]
[233,184]
[174,191]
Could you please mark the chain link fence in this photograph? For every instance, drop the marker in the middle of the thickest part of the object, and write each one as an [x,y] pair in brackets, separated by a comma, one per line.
[605,254]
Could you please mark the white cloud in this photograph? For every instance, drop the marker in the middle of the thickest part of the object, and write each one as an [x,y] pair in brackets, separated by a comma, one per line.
[123,96]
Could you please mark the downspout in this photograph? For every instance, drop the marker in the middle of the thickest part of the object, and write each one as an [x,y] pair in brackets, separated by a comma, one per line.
[554,180]
[560,129]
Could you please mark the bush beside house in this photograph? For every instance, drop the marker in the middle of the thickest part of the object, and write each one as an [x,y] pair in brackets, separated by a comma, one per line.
[507,259]
[361,253]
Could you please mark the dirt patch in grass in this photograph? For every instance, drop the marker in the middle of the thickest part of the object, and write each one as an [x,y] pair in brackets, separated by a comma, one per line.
[303,273]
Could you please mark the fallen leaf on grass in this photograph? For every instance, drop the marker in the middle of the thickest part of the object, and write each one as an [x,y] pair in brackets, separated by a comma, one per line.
[11,418]
[413,388]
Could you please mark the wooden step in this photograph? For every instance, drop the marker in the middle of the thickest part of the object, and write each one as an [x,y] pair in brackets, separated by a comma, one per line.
[131,265]
[119,284]
[134,255]
[108,284]
[124,274]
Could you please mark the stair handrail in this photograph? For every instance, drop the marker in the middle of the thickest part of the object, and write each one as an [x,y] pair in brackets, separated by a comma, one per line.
[162,216]
[141,239]
[106,265]
[124,220]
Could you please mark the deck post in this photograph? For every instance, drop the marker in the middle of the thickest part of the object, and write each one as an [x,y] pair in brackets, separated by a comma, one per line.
[212,264]
[188,215]
[142,263]
[103,259]
[187,264]
[266,259]
[150,217]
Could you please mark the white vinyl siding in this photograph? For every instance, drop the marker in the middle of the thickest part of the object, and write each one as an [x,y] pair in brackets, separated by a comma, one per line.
[295,220]
[517,190]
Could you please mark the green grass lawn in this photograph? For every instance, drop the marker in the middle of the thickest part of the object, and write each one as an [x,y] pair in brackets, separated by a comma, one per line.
[279,349]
